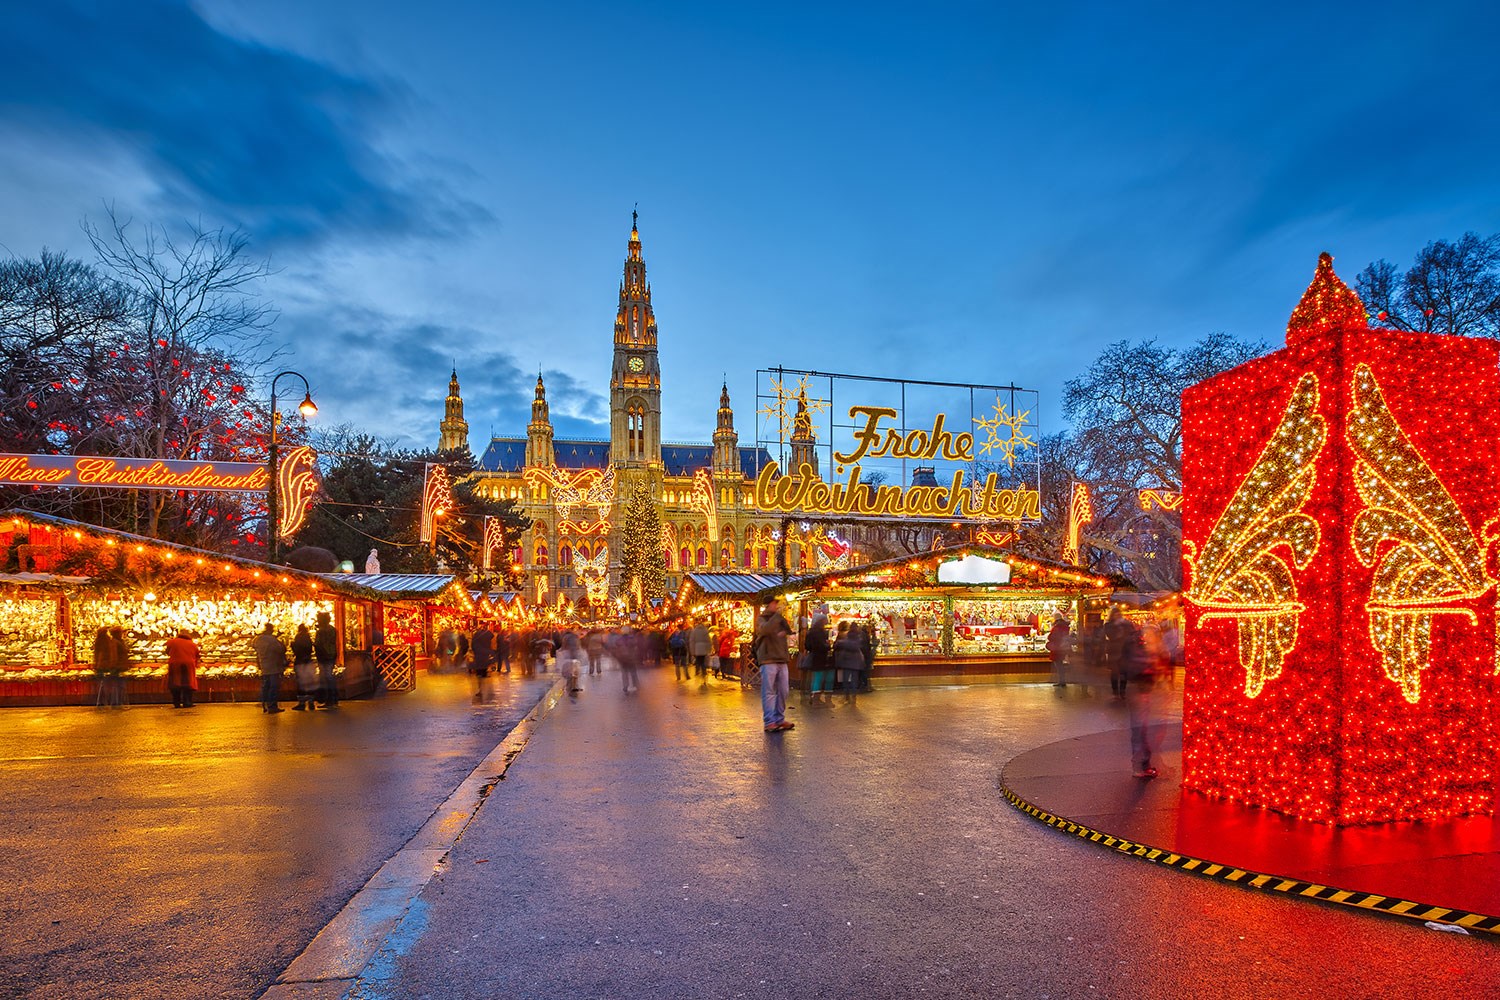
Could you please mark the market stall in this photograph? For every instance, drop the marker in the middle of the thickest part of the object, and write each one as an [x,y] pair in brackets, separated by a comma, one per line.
[729,600]
[968,611]
[61,581]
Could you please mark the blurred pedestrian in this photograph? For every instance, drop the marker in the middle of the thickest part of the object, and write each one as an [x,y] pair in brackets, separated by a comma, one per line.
[595,646]
[627,650]
[1139,674]
[729,652]
[504,645]
[1060,646]
[848,660]
[108,664]
[867,646]
[182,668]
[570,660]
[700,646]
[771,652]
[305,669]
[270,660]
[462,653]
[817,660]
[326,649]
[483,648]
[677,644]
[541,648]
[1118,632]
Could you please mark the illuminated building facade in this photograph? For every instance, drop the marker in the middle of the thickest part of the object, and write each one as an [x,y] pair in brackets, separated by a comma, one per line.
[576,490]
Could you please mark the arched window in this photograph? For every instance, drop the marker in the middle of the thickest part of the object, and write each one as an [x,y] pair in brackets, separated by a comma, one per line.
[686,556]
[565,555]
[702,557]
[764,558]
[541,554]
[727,557]
[747,556]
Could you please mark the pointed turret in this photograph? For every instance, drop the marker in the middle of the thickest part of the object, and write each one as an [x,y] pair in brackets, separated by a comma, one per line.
[1327,304]
[726,440]
[453,430]
[539,451]
[804,441]
[635,378]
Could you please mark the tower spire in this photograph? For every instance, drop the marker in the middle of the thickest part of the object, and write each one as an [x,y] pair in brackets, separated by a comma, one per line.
[635,378]
[453,429]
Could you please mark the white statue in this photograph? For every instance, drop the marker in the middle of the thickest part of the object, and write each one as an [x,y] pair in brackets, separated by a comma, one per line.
[372,562]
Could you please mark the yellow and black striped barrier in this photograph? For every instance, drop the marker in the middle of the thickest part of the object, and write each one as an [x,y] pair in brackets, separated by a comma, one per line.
[1372,902]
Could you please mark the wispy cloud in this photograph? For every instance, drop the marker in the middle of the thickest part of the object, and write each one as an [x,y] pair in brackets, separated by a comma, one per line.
[276,142]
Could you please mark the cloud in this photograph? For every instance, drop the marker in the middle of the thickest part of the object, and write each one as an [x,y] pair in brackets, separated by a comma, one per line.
[273,141]
[389,376]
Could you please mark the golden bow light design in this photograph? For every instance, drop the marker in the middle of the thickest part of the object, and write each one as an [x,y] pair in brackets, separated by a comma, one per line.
[297,482]
[1239,574]
[1435,563]
[576,488]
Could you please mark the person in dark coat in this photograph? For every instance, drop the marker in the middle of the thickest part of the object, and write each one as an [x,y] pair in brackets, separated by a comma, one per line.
[306,670]
[1060,646]
[1118,633]
[867,646]
[326,649]
[848,660]
[627,650]
[270,659]
[818,661]
[1139,673]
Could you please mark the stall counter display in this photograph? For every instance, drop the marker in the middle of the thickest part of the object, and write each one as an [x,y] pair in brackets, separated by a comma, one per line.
[902,627]
[1004,626]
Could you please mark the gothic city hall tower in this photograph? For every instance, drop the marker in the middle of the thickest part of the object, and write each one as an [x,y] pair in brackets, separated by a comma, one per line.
[588,498]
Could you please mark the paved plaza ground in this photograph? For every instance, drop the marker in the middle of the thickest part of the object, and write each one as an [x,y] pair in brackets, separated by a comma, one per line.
[160,853]
[661,845]
[656,845]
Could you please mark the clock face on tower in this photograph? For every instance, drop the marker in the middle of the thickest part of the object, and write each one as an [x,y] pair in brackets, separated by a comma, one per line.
[636,363]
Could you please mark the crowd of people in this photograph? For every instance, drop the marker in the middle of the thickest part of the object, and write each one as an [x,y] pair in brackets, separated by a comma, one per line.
[834,660]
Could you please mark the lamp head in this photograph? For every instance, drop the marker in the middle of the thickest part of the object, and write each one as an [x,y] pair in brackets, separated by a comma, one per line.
[307,407]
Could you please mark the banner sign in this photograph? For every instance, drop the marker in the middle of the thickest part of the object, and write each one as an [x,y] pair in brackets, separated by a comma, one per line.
[131,473]
[906,449]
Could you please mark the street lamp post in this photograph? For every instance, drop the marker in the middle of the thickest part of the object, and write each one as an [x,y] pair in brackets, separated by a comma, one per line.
[307,408]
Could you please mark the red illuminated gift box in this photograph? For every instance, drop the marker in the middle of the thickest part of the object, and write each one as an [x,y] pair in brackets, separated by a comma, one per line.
[1340,570]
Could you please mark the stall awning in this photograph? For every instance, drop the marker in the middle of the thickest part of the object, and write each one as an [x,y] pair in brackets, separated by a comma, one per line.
[410,586]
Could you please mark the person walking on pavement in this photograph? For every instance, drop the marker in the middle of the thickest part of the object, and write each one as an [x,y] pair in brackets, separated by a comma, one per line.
[569,660]
[182,668]
[326,649]
[483,648]
[595,646]
[818,661]
[700,647]
[771,632]
[627,650]
[848,661]
[1135,666]
[305,670]
[677,644]
[1060,646]
[270,659]
[1117,633]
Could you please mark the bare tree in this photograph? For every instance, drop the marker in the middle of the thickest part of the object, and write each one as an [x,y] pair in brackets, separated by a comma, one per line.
[1127,436]
[1451,288]
[201,334]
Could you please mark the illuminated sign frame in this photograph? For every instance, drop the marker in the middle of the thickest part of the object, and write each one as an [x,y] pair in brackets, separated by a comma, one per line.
[957,451]
[116,472]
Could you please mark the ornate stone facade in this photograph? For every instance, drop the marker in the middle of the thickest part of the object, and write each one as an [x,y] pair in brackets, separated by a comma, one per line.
[575,490]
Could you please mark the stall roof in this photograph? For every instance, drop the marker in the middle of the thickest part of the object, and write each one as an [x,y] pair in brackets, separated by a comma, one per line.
[399,584]
[1062,572]
[734,584]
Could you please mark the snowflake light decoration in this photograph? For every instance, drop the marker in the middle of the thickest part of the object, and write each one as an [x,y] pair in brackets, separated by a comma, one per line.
[1005,433]
[783,406]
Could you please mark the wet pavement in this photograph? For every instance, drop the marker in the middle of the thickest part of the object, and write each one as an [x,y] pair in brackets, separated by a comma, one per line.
[160,853]
[661,845]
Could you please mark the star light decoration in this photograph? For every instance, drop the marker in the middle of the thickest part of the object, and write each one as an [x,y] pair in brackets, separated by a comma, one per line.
[783,406]
[1005,433]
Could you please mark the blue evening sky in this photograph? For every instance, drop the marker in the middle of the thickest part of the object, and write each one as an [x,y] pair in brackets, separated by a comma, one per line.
[963,191]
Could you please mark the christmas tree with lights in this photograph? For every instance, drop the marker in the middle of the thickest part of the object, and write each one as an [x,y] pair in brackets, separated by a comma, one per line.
[641,554]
